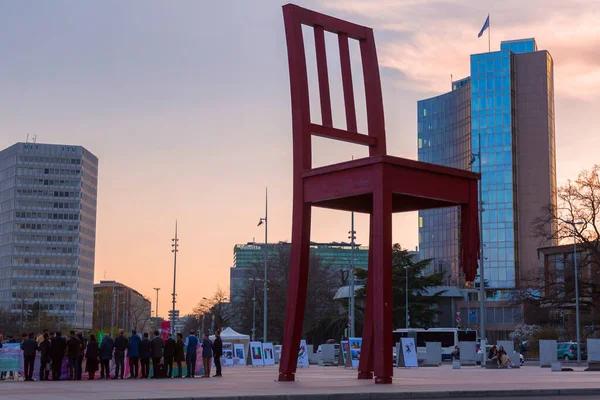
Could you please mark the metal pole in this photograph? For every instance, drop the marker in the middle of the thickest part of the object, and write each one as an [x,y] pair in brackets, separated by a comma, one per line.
[265,282]
[481,256]
[352,294]
[156,312]
[406,290]
[112,310]
[83,317]
[175,246]
[253,312]
[576,294]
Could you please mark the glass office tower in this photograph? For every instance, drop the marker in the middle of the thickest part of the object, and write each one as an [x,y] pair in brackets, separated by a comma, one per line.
[511,142]
[444,126]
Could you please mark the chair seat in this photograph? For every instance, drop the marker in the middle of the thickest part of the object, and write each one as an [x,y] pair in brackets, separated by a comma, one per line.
[413,185]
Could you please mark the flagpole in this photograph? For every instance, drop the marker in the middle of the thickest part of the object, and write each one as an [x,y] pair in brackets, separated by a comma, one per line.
[489,34]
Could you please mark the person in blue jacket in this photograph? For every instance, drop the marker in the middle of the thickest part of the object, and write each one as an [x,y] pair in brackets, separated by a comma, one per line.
[133,353]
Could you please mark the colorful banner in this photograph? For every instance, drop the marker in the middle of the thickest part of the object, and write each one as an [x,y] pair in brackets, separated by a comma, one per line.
[268,356]
[11,357]
[345,350]
[302,354]
[355,344]
[165,329]
[256,354]
[239,354]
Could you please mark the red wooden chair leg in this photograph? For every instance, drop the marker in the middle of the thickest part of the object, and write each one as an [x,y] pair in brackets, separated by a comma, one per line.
[297,286]
[365,366]
[382,284]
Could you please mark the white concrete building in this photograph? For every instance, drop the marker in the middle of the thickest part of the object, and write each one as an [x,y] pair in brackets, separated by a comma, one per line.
[48,197]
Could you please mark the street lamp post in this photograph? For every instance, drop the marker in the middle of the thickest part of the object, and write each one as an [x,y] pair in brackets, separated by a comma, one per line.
[156,312]
[576,288]
[266,256]
[481,257]
[352,238]
[406,290]
[175,246]
[254,311]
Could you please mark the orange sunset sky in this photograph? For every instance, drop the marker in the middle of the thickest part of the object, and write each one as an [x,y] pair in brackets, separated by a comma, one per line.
[186,105]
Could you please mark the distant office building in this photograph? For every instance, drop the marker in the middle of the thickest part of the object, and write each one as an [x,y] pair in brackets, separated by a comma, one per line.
[250,256]
[502,118]
[48,196]
[179,322]
[118,305]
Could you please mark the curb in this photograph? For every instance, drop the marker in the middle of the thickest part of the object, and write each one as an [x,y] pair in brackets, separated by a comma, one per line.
[410,395]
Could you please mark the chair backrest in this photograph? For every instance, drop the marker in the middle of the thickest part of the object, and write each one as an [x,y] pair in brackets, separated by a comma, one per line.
[294,17]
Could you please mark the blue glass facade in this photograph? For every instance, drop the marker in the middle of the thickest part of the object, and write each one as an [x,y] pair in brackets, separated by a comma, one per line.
[444,127]
[493,141]
[519,46]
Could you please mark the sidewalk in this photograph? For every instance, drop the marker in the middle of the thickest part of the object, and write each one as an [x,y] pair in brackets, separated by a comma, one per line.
[318,383]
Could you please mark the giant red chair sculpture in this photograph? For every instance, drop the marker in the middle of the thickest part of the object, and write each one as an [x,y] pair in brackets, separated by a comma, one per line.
[378,185]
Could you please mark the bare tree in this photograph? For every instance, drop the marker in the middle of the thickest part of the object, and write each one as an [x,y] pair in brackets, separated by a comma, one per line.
[138,312]
[215,311]
[577,201]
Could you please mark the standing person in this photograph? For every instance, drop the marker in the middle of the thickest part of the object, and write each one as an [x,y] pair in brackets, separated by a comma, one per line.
[206,355]
[58,346]
[44,349]
[133,353]
[191,343]
[73,350]
[169,354]
[156,351]
[82,346]
[106,351]
[121,344]
[40,337]
[29,347]
[145,356]
[91,357]
[179,355]
[217,348]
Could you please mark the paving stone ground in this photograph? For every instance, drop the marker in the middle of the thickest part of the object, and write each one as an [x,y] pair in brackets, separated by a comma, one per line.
[323,383]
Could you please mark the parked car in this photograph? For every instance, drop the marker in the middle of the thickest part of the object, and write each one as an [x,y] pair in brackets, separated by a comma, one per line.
[567,351]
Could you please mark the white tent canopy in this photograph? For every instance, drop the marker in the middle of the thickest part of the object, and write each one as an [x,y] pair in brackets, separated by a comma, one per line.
[229,334]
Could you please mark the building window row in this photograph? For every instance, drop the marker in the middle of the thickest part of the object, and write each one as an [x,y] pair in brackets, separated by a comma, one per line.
[48,273]
[46,193]
[55,227]
[45,238]
[46,182]
[43,261]
[45,307]
[45,249]
[40,215]
[49,160]
[35,171]
[46,204]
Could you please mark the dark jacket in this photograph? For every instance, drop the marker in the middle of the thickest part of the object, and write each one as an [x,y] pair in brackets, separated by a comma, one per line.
[134,346]
[92,352]
[156,347]
[217,347]
[44,349]
[206,348]
[73,348]
[179,353]
[57,348]
[29,346]
[170,348]
[145,348]
[82,345]
[106,348]
[121,344]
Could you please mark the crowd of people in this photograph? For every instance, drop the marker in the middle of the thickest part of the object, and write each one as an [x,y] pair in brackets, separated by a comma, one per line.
[140,350]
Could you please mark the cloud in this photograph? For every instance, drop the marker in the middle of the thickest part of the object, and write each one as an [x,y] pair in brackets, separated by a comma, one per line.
[428,40]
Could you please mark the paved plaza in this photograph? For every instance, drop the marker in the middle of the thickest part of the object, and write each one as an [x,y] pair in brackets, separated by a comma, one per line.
[323,383]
